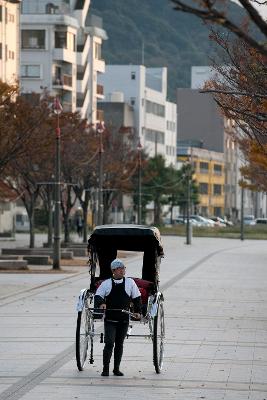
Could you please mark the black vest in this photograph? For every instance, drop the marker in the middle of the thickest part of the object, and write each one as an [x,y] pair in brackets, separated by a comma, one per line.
[117,298]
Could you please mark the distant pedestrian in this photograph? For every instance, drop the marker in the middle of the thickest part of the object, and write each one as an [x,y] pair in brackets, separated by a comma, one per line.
[79,226]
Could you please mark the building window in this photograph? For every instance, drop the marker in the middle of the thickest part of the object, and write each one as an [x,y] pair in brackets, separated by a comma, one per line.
[60,40]
[217,211]
[33,39]
[64,40]
[217,169]
[154,136]
[98,51]
[133,76]
[204,167]
[155,108]
[30,71]
[203,188]
[171,126]
[1,46]
[11,18]
[132,101]
[71,41]
[217,190]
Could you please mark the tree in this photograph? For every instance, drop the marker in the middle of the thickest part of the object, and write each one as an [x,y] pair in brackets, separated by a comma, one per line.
[240,88]
[120,162]
[157,185]
[215,12]
[77,148]
[255,171]
[16,131]
[179,190]
[31,165]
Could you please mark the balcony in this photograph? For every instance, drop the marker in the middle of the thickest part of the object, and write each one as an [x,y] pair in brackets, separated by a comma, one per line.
[100,115]
[100,90]
[63,82]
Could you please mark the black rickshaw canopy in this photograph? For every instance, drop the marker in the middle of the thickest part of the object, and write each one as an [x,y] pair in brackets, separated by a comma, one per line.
[106,240]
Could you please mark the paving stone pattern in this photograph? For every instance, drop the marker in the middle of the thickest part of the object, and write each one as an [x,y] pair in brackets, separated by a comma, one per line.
[216,330]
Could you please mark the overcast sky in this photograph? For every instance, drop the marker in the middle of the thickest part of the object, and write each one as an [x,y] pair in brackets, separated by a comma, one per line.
[261,8]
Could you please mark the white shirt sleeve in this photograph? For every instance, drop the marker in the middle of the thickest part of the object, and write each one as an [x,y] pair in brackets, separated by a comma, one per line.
[104,289]
[131,288]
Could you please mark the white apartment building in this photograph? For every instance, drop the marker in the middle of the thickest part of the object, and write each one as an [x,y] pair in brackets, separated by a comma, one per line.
[9,40]
[145,89]
[61,53]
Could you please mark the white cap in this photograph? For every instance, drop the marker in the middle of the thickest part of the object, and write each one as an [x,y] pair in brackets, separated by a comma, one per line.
[117,263]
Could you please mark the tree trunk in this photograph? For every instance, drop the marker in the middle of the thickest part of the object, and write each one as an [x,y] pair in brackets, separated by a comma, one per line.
[157,210]
[66,228]
[85,228]
[31,220]
[50,218]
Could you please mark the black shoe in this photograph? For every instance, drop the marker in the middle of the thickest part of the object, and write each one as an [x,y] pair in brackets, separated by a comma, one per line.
[117,372]
[105,373]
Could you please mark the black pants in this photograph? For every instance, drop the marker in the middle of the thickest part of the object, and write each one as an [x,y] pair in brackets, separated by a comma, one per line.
[114,333]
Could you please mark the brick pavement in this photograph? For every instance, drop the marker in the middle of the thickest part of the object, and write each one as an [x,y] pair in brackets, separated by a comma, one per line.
[216,331]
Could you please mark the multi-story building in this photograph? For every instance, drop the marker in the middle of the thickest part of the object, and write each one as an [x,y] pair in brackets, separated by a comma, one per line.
[61,53]
[209,176]
[200,119]
[254,202]
[9,70]
[145,89]
[9,40]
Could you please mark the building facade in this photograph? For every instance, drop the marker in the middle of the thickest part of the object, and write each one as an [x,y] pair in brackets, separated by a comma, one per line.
[145,90]
[199,119]
[9,40]
[254,202]
[209,176]
[61,53]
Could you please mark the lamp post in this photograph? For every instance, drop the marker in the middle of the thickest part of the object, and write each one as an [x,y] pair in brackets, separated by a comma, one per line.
[57,226]
[139,149]
[242,215]
[100,130]
[188,208]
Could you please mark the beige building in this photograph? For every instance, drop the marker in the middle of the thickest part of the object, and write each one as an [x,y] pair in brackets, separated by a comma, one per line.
[209,176]
[9,40]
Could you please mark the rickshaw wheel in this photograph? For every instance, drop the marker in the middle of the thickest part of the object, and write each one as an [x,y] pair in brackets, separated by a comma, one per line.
[82,337]
[158,338]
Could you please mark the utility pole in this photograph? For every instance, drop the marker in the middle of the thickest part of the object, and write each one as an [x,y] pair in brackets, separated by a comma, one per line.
[57,227]
[242,215]
[139,149]
[188,223]
[100,130]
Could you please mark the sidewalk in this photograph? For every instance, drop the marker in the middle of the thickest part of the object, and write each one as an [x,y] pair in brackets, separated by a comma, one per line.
[216,331]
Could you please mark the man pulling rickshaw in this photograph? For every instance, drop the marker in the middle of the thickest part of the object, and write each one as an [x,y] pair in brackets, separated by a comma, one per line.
[111,293]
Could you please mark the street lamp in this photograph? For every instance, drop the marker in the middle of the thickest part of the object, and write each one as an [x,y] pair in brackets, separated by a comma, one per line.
[100,130]
[242,215]
[57,108]
[139,149]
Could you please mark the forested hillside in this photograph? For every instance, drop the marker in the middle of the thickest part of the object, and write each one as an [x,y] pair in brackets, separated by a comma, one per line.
[170,39]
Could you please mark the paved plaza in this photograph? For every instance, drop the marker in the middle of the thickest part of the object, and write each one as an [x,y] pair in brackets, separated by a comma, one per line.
[216,330]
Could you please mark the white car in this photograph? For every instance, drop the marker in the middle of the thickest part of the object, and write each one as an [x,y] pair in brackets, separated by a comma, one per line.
[249,220]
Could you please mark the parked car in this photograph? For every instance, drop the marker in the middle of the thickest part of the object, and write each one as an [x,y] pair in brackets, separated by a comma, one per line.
[249,220]
[183,220]
[219,221]
[261,221]
[202,221]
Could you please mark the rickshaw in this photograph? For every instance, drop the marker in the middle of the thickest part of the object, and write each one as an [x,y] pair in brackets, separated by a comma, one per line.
[103,246]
